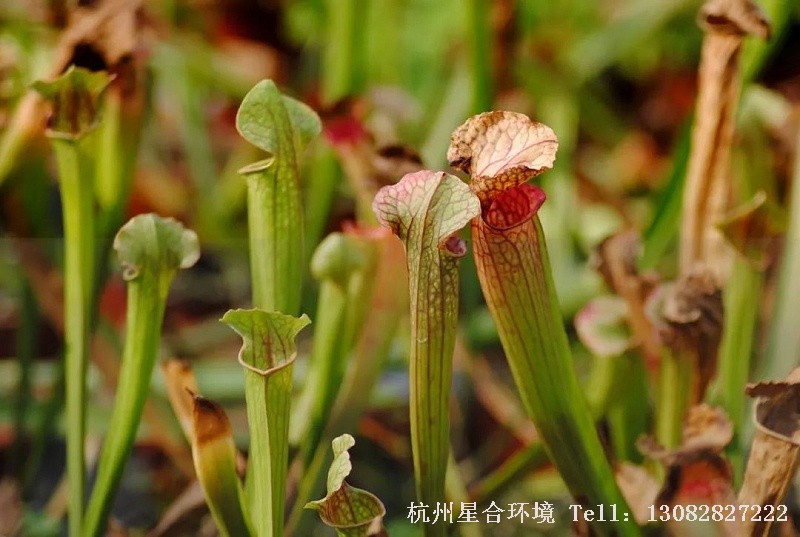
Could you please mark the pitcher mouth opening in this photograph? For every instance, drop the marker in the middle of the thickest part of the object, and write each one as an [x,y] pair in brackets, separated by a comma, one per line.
[513,207]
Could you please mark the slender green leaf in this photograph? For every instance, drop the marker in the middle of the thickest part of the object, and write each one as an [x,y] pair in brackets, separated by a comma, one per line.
[783,340]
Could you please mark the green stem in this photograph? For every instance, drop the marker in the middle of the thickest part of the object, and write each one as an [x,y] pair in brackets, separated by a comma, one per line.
[274,223]
[783,339]
[338,60]
[628,417]
[27,338]
[509,472]
[75,170]
[433,325]
[268,450]
[312,479]
[145,312]
[344,265]
[602,386]
[736,349]
[327,364]
[479,41]
[515,276]
[675,389]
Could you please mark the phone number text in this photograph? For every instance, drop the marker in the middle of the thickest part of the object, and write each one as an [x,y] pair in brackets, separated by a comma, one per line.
[718,513]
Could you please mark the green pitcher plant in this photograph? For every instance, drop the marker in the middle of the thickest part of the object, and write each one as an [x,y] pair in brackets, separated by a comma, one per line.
[426,209]
[151,250]
[282,127]
[267,356]
[501,151]
[76,101]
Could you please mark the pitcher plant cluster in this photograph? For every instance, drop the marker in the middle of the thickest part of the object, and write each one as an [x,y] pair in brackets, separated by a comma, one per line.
[645,335]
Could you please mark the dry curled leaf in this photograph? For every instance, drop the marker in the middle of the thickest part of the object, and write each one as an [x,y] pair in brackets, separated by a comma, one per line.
[688,316]
[775,451]
[778,409]
[501,150]
[697,472]
[738,17]
[705,428]
[708,179]
[776,388]
[639,488]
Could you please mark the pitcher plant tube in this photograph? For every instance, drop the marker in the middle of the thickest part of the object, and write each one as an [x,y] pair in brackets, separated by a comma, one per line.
[76,97]
[151,250]
[425,210]
[337,264]
[282,127]
[501,151]
[268,356]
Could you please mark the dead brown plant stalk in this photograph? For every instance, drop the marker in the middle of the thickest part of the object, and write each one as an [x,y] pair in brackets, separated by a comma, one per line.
[707,189]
